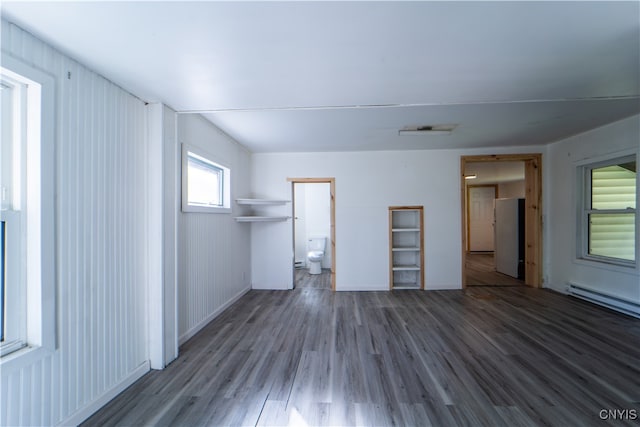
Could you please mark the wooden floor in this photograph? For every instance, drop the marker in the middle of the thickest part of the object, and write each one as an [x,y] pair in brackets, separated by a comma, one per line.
[511,356]
[481,271]
[316,281]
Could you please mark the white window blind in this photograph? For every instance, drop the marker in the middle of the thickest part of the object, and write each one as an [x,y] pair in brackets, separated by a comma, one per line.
[610,211]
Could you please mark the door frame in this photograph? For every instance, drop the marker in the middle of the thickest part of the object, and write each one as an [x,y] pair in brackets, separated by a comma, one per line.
[332,196]
[496,194]
[533,211]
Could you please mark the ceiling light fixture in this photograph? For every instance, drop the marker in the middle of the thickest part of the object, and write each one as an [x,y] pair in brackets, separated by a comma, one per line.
[427,130]
[472,176]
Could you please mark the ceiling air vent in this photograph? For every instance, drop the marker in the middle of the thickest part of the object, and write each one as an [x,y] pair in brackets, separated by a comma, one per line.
[427,130]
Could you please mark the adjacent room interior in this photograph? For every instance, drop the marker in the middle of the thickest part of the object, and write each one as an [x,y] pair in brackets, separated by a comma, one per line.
[495,234]
[319,213]
[312,223]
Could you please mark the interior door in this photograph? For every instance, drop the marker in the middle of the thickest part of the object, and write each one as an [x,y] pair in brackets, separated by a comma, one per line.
[506,254]
[481,234]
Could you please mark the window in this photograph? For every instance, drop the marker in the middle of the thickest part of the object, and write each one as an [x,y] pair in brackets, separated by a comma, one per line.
[609,233]
[205,184]
[27,272]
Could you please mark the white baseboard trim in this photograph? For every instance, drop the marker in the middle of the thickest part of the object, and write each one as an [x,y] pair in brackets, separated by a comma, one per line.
[262,287]
[363,288]
[195,329]
[91,408]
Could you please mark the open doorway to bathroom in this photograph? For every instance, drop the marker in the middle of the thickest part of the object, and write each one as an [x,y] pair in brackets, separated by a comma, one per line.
[313,232]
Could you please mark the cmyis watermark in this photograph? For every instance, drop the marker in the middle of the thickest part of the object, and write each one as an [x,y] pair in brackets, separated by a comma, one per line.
[618,414]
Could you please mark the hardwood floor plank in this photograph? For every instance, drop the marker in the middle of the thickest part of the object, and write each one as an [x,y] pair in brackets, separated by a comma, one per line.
[494,356]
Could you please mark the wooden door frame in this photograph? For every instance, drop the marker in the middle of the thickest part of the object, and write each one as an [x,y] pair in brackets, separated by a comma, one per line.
[496,194]
[533,211]
[332,196]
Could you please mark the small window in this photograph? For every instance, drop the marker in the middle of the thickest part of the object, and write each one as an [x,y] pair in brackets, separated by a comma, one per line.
[608,221]
[205,183]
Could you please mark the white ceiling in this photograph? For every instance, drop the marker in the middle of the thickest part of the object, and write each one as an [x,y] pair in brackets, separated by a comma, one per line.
[326,76]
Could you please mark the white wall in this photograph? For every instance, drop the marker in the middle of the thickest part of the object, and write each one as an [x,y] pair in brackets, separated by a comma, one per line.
[214,263]
[511,190]
[561,197]
[101,243]
[364,191]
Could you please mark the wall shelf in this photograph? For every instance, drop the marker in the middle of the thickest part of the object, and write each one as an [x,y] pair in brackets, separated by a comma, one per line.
[406,247]
[258,216]
[261,202]
[255,218]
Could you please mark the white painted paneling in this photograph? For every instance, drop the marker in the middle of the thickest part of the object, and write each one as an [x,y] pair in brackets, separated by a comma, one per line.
[101,235]
[564,157]
[172,184]
[213,249]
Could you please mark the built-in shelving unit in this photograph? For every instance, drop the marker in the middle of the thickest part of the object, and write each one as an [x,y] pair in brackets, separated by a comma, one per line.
[406,247]
[260,217]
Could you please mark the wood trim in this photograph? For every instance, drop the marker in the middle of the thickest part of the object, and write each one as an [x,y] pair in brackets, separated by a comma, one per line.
[533,228]
[332,195]
[420,210]
[391,209]
[533,211]
[422,261]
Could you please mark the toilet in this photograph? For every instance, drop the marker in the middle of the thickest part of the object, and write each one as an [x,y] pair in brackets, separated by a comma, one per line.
[315,254]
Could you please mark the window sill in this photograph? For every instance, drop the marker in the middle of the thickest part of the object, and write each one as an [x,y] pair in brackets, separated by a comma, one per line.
[624,269]
[202,209]
[22,358]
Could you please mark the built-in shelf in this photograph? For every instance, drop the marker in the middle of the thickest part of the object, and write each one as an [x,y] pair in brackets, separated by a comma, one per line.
[406,268]
[261,202]
[254,218]
[408,286]
[406,247]
[258,215]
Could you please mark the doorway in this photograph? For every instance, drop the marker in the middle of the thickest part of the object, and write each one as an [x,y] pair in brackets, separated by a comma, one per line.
[532,218]
[314,221]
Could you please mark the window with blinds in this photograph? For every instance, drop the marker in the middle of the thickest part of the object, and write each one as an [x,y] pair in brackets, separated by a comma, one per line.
[609,217]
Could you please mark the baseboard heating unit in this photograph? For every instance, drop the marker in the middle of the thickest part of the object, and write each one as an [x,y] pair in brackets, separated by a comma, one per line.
[624,306]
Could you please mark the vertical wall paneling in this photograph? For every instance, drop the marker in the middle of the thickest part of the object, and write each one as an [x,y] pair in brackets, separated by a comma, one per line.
[101,235]
[214,250]
[162,199]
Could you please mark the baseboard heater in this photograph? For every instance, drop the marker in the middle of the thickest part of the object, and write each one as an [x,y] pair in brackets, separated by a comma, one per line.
[624,306]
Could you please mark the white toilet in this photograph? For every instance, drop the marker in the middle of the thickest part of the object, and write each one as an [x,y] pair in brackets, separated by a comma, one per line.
[316,253]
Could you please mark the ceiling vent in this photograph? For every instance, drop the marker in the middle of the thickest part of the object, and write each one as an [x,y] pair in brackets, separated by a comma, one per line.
[427,130]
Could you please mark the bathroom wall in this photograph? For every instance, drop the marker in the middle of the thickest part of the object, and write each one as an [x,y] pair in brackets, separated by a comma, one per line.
[300,218]
[313,213]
